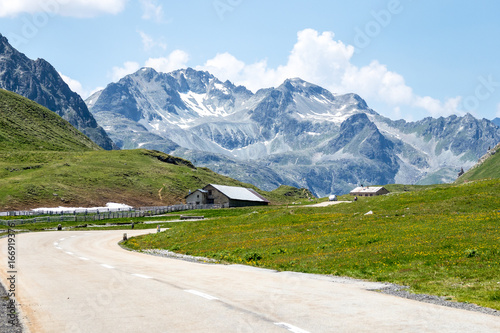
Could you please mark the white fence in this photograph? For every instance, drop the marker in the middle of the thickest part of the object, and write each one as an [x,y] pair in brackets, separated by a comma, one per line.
[90,215]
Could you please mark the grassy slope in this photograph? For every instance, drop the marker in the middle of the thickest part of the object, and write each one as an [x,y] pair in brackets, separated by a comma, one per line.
[490,168]
[443,240]
[134,177]
[26,125]
[44,161]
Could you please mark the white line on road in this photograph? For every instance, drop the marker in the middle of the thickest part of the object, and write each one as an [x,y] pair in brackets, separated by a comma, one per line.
[70,253]
[198,293]
[58,247]
[107,266]
[291,328]
[62,239]
[142,276]
[83,258]
[56,243]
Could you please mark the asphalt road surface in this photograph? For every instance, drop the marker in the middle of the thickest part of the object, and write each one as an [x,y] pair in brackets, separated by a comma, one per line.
[70,281]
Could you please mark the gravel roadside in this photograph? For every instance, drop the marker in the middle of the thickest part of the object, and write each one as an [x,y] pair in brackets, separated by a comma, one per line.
[6,321]
[12,323]
[401,291]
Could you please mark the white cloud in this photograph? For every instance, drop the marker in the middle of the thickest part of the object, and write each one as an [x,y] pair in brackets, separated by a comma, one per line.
[437,108]
[317,58]
[175,60]
[254,76]
[152,10]
[129,67]
[320,59]
[93,91]
[375,81]
[75,85]
[149,43]
[74,8]
[498,110]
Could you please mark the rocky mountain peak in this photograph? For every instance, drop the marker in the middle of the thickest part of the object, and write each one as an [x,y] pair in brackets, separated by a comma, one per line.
[297,85]
[4,44]
[39,81]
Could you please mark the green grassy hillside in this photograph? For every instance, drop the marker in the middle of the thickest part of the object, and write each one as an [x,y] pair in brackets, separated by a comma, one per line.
[134,177]
[442,241]
[44,161]
[26,125]
[490,168]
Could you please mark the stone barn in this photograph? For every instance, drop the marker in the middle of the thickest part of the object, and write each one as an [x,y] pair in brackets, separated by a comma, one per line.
[230,195]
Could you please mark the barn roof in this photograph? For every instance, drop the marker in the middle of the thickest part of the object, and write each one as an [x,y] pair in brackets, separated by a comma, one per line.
[239,193]
[198,190]
[373,189]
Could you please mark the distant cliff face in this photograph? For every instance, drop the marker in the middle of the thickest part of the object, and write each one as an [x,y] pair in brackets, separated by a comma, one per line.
[40,82]
[297,134]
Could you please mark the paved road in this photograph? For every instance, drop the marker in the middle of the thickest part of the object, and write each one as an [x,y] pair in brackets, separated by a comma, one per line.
[84,282]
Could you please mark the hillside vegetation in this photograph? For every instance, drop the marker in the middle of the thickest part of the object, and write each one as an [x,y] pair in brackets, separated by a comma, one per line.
[45,161]
[442,240]
[26,125]
[93,178]
[488,168]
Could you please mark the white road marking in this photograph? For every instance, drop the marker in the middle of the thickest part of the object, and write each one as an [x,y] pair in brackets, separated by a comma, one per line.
[83,258]
[107,266]
[70,253]
[198,293]
[62,239]
[142,276]
[58,247]
[56,243]
[73,236]
[291,328]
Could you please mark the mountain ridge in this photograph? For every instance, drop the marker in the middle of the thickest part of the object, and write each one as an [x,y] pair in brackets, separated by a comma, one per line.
[39,81]
[299,133]
[488,166]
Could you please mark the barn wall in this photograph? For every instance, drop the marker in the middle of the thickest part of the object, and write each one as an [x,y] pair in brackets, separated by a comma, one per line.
[217,197]
[240,203]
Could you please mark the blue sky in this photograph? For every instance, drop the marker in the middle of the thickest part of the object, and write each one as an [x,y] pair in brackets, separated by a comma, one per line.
[408,59]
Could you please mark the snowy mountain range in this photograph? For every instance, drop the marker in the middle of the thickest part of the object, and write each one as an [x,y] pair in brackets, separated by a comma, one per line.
[297,134]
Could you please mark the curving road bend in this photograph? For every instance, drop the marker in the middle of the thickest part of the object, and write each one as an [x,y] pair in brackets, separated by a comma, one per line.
[70,281]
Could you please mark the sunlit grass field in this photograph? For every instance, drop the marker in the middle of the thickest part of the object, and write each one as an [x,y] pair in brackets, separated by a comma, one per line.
[443,241]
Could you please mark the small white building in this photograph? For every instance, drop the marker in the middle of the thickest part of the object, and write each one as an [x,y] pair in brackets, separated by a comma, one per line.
[368,191]
[332,197]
